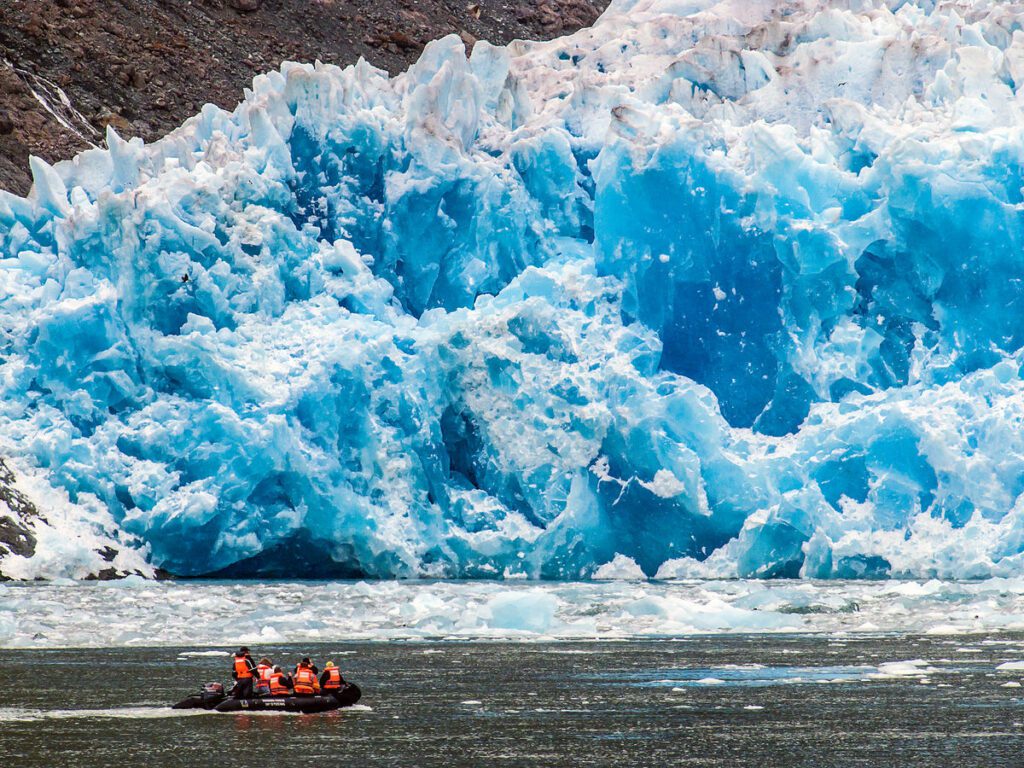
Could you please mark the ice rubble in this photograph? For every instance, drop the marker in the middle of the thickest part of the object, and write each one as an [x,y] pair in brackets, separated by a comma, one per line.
[221,614]
[718,289]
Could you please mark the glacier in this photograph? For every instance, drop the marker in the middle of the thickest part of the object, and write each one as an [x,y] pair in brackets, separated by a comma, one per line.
[708,290]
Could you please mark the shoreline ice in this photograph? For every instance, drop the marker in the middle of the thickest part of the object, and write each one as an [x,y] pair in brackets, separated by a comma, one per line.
[197,615]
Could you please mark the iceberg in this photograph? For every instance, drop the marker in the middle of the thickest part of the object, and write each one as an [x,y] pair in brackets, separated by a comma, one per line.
[711,289]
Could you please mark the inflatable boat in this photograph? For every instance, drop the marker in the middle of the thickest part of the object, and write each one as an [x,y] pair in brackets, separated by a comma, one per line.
[212,697]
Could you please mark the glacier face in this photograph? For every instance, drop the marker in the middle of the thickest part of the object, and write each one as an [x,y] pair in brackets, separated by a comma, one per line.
[709,289]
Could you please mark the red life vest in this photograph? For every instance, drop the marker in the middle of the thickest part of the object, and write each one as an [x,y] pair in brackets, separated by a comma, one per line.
[277,688]
[333,679]
[242,669]
[305,681]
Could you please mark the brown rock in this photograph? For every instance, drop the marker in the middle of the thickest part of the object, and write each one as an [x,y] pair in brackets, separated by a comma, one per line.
[11,83]
[138,79]
[119,122]
[402,40]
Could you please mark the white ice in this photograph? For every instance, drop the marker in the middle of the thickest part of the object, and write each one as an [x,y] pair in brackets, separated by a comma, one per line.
[201,617]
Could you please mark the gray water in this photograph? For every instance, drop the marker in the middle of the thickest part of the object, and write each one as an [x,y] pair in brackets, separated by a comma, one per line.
[782,701]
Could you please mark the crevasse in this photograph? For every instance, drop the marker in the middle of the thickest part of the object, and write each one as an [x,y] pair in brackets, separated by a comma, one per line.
[712,289]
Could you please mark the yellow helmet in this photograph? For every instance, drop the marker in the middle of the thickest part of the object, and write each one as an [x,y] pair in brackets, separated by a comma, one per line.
[328,664]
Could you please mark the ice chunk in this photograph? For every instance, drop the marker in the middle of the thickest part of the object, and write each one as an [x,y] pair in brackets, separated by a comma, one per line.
[914,668]
[531,611]
[620,568]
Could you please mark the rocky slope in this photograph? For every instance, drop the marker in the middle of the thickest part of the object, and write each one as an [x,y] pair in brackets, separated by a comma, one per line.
[68,68]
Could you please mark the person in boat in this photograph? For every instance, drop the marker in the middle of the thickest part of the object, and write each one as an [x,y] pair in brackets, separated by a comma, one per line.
[243,670]
[280,683]
[331,680]
[304,680]
[261,683]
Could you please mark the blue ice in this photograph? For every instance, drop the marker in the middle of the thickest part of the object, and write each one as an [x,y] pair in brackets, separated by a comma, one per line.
[699,290]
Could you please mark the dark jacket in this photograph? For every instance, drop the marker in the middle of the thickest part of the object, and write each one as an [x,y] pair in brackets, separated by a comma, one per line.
[248,660]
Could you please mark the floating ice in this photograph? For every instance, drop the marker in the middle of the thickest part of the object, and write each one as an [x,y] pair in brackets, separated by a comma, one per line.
[758,676]
[194,615]
[620,567]
[913,668]
[718,287]
[532,611]
[191,654]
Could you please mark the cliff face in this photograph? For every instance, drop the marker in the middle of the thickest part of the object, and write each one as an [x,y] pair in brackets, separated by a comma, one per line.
[69,68]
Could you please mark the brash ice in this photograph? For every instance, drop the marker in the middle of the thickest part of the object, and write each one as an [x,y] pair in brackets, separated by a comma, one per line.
[709,289]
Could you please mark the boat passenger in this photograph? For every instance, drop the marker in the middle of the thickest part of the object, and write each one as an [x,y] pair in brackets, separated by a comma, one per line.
[308,663]
[304,681]
[243,670]
[262,679]
[280,683]
[331,680]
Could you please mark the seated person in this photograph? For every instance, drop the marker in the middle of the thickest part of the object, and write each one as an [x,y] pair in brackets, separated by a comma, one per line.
[280,683]
[331,680]
[304,681]
[261,677]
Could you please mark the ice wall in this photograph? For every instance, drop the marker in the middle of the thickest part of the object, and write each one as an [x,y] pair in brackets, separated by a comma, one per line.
[724,289]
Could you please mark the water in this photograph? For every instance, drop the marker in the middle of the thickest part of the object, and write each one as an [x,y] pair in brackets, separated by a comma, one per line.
[717,673]
[780,700]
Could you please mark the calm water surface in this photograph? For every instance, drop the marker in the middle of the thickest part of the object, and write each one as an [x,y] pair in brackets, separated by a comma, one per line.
[711,701]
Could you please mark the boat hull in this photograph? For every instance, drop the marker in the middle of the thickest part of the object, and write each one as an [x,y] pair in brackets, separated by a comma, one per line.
[345,697]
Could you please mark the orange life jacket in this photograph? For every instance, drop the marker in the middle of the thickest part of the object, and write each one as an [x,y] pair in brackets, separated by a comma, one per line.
[277,688]
[333,679]
[242,670]
[305,681]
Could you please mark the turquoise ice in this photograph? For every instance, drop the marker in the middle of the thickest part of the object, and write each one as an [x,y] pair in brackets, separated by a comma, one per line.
[710,289]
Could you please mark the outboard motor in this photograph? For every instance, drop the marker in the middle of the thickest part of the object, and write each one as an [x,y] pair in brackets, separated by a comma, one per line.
[213,692]
[209,697]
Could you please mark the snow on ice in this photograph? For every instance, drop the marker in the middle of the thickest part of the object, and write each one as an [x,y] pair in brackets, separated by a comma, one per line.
[709,289]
